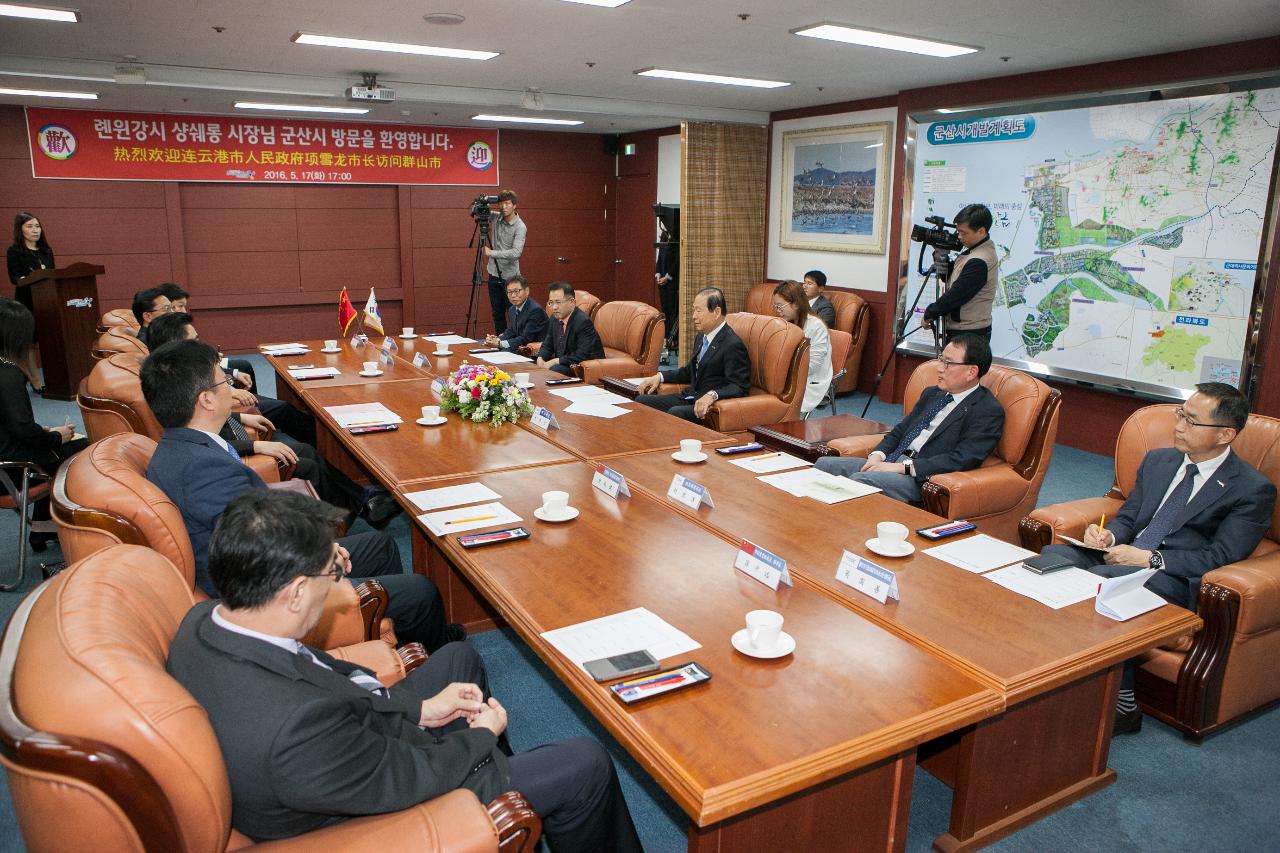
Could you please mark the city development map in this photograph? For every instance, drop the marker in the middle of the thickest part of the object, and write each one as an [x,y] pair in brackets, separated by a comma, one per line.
[1128,235]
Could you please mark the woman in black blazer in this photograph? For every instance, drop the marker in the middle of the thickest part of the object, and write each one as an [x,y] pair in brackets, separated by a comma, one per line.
[21,438]
[30,252]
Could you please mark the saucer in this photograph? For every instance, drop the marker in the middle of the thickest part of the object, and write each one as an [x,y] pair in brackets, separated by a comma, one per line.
[335,349]
[407,337]
[375,373]
[904,548]
[570,513]
[439,420]
[442,353]
[689,460]
[525,385]
[786,645]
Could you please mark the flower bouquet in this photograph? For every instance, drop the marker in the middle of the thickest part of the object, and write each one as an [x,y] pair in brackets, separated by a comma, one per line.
[482,393]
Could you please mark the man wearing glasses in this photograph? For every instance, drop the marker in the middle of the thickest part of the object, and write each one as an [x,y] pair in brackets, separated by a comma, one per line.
[526,321]
[571,336]
[1194,507]
[148,305]
[953,427]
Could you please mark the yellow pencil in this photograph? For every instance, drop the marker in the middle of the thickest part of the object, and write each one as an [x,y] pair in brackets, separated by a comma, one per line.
[465,520]
[1102,523]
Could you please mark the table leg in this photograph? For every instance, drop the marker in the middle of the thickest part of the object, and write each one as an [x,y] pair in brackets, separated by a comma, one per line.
[461,601]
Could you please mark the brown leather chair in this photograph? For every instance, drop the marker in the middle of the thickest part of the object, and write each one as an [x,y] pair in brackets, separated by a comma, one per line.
[840,344]
[119,339]
[102,497]
[853,316]
[106,751]
[1226,670]
[997,494]
[632,336]
[118,317]
[779,354]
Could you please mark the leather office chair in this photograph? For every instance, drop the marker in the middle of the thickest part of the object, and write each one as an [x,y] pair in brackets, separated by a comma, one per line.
[853,316]
[119,339]
[102,497]
[632,336]
[1226,670]
[118,317]
[106,751]
[23,484]
[841,342]
[997,494]
[588,302]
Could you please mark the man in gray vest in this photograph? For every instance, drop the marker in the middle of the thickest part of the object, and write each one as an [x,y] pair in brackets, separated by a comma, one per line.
[506,235]
[965,306]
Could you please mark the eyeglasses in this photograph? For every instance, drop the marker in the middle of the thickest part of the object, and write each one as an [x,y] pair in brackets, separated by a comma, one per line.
[226,380]
[1182,416]
[556,301]
[779,307]
[515,290]
[946,362]
[335,571]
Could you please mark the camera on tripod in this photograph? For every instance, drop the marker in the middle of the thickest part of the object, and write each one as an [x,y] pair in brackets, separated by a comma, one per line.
[937,236]
[480,207]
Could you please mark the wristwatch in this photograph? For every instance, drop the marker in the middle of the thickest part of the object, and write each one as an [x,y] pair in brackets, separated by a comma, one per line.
[910,465]
[715,395]
[1156,562]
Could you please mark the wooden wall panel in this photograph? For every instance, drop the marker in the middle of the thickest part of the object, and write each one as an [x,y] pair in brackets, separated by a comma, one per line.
[237,196]
[330,270]
[20,191]
[125,275]
[354,228]
[340,196]
[244,274]
[106,231]
[230,230]
[441,228]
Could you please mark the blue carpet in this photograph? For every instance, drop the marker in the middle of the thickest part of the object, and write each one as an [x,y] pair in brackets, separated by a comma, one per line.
[1170,795]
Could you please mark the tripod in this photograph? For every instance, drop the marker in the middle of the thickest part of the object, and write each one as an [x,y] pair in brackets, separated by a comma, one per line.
[479,271]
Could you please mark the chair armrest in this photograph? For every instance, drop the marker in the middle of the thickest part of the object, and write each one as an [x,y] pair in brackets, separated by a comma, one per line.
[267,468]
[1256,582]
[974,493]
[341,623]
[740,413]
[373,607]
[857,446]
[1072,517]
[617,386]
[412,656]
[595,370]
[519,826]
[375,655]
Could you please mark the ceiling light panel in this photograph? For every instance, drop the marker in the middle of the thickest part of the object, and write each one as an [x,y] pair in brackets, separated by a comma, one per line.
[611,4]
[888,41]
[526,119]
[40,13]
[391,47]
[44,93]
[301,108]
[695,77]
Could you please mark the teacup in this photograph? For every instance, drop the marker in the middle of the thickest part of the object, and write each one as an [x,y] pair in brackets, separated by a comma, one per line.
[522,378]
[443,349]
[891,534]
[555,504]
[333,344]
[763,629]
[406,332]
[430,413]
[690,447]
[370,367]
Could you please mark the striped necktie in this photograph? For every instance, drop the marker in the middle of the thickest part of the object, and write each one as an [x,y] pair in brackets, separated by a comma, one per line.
[356,676]
[238,432]
[918,427]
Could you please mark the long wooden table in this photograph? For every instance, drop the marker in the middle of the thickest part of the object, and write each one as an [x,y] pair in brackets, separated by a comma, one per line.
[1053,673]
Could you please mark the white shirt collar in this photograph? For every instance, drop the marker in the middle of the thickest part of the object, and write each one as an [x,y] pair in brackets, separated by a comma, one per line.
[960,395]
[711,335]
[219,439]
[289,644]
[1208,467]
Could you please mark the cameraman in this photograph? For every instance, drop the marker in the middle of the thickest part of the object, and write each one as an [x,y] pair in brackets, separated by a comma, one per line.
[971,288]
[506,238]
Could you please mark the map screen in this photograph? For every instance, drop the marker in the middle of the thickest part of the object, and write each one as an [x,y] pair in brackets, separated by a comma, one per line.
[1128,235]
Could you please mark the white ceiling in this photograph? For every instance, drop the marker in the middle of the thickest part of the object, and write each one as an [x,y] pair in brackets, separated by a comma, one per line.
[548,44]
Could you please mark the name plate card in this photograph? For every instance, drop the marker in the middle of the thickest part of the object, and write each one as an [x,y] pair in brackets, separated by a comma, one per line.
[420,360]
[866,577]
[389,345]
[386,357]
[689,493]
[610,482]
[764,566]
[544,419]
[437,386]
[358,341]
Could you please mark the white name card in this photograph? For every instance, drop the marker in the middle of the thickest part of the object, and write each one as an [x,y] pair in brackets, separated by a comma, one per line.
[689,493]
[386,357]
[389,345]
[610,482]
[866,577]
[420,359]
[764,566]
[437,388]
[544,419]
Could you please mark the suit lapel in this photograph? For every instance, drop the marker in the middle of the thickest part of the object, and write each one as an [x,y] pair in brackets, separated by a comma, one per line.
[956,414]
[1211,491]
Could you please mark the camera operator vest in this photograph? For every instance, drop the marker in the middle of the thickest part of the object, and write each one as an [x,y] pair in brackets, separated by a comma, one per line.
[976,313]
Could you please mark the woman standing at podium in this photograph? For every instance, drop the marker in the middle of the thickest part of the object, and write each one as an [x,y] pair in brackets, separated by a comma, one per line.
[30,252]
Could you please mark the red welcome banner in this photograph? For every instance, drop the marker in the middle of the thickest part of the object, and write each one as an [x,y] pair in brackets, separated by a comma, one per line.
[107,146]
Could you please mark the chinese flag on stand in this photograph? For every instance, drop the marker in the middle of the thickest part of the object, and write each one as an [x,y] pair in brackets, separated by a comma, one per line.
[346,311]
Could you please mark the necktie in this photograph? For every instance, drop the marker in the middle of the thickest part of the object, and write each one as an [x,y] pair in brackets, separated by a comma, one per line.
[564,335]
[238,432]
[1162,523]
[356,676]
[919,426]
[232,451]
[706,345]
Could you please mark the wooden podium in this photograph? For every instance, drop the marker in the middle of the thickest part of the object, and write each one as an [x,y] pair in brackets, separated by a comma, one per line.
[66,310]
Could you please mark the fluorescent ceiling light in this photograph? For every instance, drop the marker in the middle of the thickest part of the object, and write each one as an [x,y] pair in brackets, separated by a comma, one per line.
[949,110]
[43,93]
[301,108]
[612,4]
[889,41]
[711,78]
[528,119]
[391,47]
[40,13]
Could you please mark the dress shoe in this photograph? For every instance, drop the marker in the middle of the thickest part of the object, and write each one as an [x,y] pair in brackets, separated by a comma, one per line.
[454,633]
[40,541]
[1128,722]
[379,508]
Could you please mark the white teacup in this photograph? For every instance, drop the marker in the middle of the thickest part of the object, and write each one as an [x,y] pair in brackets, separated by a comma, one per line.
[522,378]
[331,344]
[443,349]
[690,447]
[763,629]
[555,504]
[891,534]
[407,332]
[370,367]
[430,413]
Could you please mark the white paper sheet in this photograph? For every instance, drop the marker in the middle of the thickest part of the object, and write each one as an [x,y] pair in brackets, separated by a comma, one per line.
[501,358]
[449,340]
[618,634]
[290,345]
[1125,597]
[1073,541]
[590,393]
[285,349]
[363,414]
[1056,589]
[467,493]
[819,485]
[767,463]
[593,409]
[980,553]
[464,518]
[792,482]
[314,372]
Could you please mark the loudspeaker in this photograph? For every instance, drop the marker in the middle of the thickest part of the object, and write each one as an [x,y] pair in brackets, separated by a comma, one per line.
[612,142]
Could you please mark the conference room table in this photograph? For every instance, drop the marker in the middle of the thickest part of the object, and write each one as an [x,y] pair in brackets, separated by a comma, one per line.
[1053,674]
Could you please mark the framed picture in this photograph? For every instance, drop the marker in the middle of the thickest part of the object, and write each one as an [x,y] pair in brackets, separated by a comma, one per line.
[835,188]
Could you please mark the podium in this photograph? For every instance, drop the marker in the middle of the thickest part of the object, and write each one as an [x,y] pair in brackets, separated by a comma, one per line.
[65,302]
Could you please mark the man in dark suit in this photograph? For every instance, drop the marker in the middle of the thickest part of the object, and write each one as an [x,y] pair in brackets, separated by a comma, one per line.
[526,321]
[953,427]
[201,473]
[719,369]
[571,336]
[1194,507]
[147,305]
[815,284]
[310,741]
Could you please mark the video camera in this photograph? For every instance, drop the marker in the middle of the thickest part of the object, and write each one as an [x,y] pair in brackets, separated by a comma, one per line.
[937,236]
[480,207]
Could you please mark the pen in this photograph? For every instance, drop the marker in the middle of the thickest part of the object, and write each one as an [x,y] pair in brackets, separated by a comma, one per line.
[764,456]
[1102,523]
[648,680]
[661,682]
[369,423]
[465,520]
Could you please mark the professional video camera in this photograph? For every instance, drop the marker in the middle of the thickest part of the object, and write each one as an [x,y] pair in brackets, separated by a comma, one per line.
[480,207]
[937,236]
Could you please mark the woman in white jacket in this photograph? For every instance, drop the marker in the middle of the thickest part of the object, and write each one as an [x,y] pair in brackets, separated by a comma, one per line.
[790,304]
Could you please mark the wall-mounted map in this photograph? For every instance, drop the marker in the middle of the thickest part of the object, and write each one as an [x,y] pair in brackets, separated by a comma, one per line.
[1128,235]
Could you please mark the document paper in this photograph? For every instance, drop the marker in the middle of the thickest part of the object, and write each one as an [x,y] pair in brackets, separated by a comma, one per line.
[464,518]
[467,493]
[767,463]
[502,358]
[819,485]
[593,394]
[979,554]
[314,372]
[363,414]
[1057,589]
[618,634]
[448,340]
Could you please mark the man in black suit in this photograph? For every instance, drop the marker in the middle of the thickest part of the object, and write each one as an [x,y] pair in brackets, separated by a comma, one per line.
[147,305]
[1194,507]
[201,473]
[815,284]
[526,321]
[953,427]
[310,741]
[571,336]
[718,370]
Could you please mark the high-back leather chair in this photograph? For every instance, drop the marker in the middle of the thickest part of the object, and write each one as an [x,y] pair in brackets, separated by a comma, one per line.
[1227,669]
[853,316]
[119,339]
[588,302]
[632,336]
[779,354]
[106,751]
[840,344]
[118,317]
[997,494]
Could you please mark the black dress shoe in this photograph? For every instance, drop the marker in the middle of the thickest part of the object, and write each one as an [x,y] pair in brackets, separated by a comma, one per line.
[40,541]
[454,633]
[379,508]
[1128,722]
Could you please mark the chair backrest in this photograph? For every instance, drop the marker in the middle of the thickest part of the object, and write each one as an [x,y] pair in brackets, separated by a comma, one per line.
[118,317]
[119,339]
[841,342]
[779,354]
[100,742]
[111,399]
[636,328]
[102,497]
[588,302]
[760,299]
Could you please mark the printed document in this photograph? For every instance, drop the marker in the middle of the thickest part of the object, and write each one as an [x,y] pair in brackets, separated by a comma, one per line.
[618,634]
[980,553]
